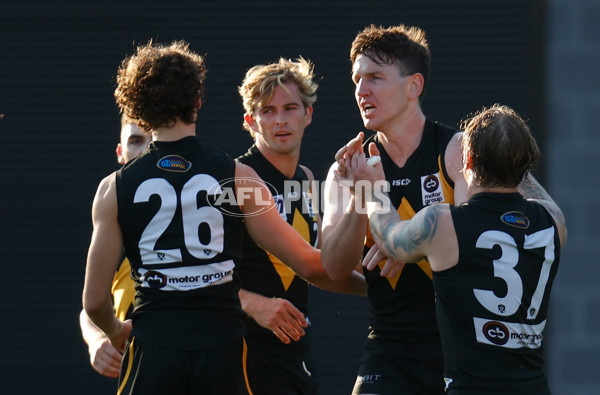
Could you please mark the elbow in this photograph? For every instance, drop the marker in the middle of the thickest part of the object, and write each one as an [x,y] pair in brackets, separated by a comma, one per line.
[313,274]
[93,305]
[333,270]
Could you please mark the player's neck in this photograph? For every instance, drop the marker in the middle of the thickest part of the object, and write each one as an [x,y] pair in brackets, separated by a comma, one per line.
[473,190]
[175,132]
[286,163]
[401,140]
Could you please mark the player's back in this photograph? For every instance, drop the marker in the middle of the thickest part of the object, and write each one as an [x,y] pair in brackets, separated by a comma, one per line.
[492,305]
[182,234]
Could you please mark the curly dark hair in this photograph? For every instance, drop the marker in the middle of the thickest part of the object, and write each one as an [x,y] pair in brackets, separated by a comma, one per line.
[404,45]
[160,84]
[500,145]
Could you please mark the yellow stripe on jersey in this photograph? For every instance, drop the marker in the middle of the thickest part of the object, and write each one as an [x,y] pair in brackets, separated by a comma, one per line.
[123,290]
[405,211]
[285,273]
[446,188]
[245,365]
[129,365]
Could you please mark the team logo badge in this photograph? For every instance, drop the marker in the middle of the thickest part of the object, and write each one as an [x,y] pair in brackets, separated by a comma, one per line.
[174,163]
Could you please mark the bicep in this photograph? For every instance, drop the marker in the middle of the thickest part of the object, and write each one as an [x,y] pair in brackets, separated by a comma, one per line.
[106,245]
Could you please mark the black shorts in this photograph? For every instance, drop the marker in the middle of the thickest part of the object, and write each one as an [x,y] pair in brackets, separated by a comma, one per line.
[385,372]
[273,373]
[149,369]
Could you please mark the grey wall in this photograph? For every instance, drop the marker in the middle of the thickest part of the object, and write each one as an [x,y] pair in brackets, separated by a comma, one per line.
[573,87]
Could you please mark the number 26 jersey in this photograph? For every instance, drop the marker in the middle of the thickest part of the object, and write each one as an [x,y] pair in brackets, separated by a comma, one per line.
[183,240]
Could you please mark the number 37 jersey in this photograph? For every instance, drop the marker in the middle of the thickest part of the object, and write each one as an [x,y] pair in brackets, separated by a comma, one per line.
[183,239]
[492,306]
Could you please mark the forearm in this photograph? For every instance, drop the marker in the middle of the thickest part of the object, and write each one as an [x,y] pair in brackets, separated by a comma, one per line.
[530,188]
[354,284]
[381,216]
[343,243]
[103,317]
[251,302]
[90,332]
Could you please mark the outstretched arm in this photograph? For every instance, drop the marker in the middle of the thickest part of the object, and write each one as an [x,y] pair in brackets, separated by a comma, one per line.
[276,236]
[530,188]
[405,241]
[344,228]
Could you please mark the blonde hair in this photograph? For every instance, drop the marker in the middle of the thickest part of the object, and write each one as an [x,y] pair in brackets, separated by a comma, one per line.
[261,80]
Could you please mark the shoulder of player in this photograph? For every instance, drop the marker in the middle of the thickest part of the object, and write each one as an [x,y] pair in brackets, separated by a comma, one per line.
[107,184]
[557,214]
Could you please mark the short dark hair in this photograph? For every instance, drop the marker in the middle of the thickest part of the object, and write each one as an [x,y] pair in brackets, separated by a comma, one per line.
[403,44]
[500,145]
[160,84]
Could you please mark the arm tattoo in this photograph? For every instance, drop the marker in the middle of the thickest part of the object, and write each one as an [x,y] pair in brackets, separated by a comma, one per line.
[530,188]
[408,236]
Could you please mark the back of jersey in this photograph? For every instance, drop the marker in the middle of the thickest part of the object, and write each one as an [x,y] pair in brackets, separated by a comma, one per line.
[182,233]
[492,305]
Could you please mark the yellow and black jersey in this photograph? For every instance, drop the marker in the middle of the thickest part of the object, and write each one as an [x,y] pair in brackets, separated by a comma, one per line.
[259,271]
[403,307]
[182,233]
[123,291]
[492,305]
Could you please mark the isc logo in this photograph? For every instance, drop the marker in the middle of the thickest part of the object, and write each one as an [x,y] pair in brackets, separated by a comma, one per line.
[401,183]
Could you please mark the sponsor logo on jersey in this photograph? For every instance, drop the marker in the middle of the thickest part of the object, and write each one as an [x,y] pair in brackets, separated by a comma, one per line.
[516,219]
[431,189]
[508,334]
[495,332]
[155,279]
[186,278]
[174,163]
[401,183]
[369,378]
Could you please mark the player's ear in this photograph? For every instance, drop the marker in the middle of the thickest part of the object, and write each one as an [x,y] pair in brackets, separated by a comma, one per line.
[308,112]
[415,87]
[467,160]
[119,152]
[250,122]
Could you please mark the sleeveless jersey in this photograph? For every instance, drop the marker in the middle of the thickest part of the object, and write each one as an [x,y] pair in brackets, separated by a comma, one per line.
[261,272]
[403,307]
[123,291]
[492,305]
[182,233]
